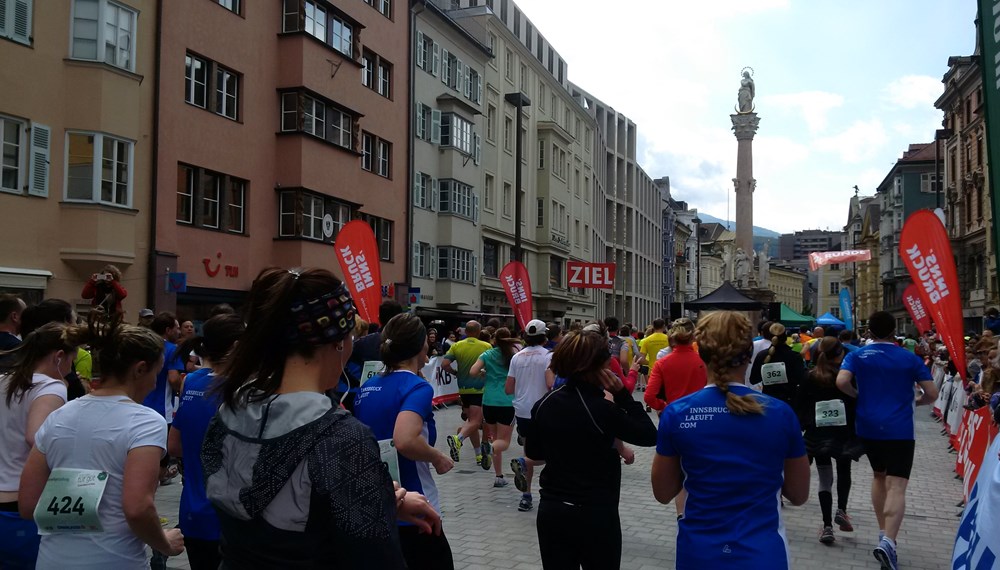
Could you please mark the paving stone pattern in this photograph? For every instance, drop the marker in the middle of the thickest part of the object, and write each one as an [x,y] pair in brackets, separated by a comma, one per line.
[487,532]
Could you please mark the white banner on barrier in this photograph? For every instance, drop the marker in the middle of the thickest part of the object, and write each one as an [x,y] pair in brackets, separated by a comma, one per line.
[443,379]
[953,418]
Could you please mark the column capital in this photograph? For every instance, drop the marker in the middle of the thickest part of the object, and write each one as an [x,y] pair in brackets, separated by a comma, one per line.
[745,125]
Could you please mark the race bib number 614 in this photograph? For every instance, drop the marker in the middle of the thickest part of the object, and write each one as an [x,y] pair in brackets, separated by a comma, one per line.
[69,501]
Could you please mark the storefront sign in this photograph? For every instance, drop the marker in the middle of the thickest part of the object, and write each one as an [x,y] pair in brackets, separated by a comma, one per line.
[230,270]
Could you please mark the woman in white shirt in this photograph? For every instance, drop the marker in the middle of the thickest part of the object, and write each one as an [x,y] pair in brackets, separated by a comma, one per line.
[104,440]
[32,389]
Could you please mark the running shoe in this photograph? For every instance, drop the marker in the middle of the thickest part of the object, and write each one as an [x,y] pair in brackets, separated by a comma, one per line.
[844,520]
[525,504]
[479,459]
[885,553]
[454,446]
[520,467]
[520,441]
[500,482]
[826,535]
[487,456]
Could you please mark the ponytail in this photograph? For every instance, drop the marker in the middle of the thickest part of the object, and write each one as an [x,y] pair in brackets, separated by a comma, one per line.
[45,340]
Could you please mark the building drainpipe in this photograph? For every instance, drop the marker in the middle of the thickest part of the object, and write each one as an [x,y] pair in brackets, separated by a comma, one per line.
[151,270]
[416,9]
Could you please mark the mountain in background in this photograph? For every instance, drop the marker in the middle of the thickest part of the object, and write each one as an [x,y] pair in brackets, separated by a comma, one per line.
[730,225]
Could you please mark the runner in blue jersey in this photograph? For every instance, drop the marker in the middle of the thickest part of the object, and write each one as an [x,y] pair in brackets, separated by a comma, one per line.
[740,450]
[397,407]
[884,377]
[198,406]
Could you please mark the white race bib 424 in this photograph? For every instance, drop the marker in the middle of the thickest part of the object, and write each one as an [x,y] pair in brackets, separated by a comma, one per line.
[69,501]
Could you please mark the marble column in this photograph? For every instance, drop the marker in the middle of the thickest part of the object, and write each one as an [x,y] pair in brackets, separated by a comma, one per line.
[744,127]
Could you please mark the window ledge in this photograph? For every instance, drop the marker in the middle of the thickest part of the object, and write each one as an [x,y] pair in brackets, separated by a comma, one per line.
[104,66]
[329,47]
[319,140]
[184,224]
[29,44]
[302,238]
[81,205]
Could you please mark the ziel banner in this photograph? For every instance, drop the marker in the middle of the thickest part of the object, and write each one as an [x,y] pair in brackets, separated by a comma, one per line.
[357,252]
[989,60]
[926,252]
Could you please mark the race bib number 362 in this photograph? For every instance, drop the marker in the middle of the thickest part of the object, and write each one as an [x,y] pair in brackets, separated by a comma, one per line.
[69,501]
[773,373]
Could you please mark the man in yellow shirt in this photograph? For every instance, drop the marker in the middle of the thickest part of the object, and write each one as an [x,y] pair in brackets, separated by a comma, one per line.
[654,342]
[470,389]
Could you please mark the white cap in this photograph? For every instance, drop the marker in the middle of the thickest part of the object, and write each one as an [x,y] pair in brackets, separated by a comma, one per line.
[535,328]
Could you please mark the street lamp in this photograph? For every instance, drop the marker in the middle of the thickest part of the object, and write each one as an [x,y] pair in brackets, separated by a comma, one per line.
[519,101]
[697,257]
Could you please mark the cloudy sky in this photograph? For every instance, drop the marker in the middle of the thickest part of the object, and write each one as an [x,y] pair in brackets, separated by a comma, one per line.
[842,88]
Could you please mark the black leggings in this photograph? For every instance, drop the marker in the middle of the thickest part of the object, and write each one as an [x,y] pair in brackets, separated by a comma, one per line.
[202,554]
[425,551]
[824,466]
[574,537]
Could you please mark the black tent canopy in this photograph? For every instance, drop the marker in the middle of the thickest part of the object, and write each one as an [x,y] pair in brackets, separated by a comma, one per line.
[726,298]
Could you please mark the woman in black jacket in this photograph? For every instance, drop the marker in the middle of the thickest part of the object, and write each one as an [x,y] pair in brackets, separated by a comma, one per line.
[827,416]
[779,368]
[573,430]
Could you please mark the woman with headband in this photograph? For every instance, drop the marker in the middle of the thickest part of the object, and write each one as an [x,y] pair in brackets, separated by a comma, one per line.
[397,407]
[295,481]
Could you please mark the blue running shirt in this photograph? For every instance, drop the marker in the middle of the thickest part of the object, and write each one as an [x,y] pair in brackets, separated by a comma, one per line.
[380,400]
[197,408]
[733,472]
[885,375]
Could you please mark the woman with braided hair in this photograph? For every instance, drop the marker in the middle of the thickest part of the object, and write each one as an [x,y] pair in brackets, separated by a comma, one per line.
[741,452]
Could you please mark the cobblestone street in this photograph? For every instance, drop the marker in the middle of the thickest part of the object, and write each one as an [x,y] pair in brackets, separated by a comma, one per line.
[486,531]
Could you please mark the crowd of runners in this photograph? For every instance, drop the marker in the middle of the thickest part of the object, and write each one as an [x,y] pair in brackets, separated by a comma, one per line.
[289,461]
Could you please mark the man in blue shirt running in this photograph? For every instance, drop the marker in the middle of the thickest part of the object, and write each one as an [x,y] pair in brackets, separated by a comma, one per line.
[882,376]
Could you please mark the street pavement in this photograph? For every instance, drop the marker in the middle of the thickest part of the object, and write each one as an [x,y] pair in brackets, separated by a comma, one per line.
[486,531]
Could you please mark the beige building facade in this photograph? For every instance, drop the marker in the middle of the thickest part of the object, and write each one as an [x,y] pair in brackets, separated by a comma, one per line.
[76,114]
[557,190]
[788,285]
[447,188]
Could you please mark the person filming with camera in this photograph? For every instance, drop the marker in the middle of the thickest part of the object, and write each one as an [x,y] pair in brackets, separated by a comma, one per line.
[105,290]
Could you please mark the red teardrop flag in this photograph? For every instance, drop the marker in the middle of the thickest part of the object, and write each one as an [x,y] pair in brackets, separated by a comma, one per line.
[517,285]
[357,253]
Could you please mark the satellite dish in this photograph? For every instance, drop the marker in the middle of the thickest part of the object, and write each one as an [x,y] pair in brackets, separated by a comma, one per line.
[328,226]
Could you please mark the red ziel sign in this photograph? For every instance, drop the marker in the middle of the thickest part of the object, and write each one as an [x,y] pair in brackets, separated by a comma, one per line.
[591,275]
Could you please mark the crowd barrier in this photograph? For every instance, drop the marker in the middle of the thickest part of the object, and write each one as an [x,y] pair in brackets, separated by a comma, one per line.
[970,432]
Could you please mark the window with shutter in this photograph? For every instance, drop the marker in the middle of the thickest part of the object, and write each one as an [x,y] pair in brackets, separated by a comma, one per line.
[417,262]
[436,60]
[475,209]
[477,149]
[38,185]
[420,49]
[435,126]
[475,269]
[434,262]
[435,191]
[12,149]
[15,20]
[445,66]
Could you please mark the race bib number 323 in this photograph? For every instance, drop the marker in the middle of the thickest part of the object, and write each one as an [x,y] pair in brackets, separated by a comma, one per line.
[69,501]
[831,413]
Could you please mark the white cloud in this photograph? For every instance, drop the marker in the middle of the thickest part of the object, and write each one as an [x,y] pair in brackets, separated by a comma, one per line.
[814,106]
[857,143]
[913,91]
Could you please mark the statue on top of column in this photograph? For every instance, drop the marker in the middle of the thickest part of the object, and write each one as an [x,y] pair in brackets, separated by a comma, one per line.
[742,268]
[746,93]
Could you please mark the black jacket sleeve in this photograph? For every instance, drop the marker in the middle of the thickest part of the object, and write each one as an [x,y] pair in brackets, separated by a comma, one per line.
[755,377]
[534,447]
[629,422]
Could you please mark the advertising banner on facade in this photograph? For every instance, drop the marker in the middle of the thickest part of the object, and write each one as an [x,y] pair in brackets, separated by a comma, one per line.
[517,285]
[818,259]
[357,252]
[846,308]
[914,306]
[926,251]
[591,275]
